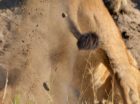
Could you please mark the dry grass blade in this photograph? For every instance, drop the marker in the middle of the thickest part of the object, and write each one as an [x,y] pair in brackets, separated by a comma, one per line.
[5,88]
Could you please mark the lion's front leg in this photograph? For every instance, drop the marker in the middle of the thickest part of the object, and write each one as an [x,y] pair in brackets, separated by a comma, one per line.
[112,43]
[121,67]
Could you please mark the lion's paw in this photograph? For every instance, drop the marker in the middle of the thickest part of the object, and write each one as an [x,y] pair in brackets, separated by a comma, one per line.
[119,5]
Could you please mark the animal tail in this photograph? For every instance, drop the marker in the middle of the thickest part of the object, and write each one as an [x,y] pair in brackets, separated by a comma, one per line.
[86,41]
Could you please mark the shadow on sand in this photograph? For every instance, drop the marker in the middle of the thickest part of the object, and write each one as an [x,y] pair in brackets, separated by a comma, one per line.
[4,4]
[137,2]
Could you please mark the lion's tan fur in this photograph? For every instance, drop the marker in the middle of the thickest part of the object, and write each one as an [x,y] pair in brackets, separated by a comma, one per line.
[118,5]
[54,58]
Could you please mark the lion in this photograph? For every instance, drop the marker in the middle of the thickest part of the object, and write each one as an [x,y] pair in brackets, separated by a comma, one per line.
[127,98]
[47,70]
[118,5]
